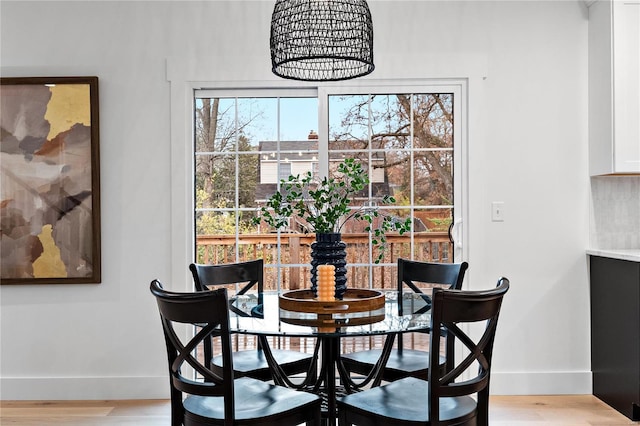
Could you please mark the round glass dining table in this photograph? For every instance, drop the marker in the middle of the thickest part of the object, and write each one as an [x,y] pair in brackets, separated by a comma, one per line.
[261,315]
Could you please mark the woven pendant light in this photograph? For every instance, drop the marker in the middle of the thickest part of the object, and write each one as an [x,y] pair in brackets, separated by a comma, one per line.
[321,40]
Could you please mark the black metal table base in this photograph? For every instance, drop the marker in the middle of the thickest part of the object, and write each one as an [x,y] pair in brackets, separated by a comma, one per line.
[324,382]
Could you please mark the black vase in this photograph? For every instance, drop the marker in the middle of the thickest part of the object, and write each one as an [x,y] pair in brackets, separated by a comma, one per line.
[329,249]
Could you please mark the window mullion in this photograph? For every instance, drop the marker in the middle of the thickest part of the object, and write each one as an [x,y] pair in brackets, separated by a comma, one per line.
[237,182]
[278,231]
[323,133]
[412,174]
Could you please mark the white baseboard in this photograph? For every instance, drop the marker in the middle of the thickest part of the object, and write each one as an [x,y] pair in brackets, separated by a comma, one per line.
[541,383]
[95,388]
[83,388]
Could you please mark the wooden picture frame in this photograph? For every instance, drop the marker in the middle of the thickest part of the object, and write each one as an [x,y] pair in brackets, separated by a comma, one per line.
[50,174]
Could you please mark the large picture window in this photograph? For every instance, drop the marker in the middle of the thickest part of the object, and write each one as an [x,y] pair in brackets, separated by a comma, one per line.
[245,143]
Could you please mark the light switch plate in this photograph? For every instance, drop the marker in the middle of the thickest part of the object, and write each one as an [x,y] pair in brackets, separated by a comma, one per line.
[497,211]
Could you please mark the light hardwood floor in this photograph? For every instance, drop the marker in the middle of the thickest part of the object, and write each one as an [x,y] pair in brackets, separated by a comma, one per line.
[566,410]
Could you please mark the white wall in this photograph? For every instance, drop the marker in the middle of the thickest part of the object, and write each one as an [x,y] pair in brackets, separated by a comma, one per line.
[526,65]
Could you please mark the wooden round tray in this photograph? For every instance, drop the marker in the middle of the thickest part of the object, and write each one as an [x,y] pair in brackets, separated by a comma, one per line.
[326,321]
[354,300]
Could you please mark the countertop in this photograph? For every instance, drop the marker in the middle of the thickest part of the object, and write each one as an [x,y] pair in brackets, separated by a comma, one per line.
[632,255]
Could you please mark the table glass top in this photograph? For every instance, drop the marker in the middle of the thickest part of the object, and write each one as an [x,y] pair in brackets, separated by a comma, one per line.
[261,314]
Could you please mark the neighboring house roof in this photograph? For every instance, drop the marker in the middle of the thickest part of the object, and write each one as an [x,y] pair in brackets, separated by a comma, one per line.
[304,150]
[307,150]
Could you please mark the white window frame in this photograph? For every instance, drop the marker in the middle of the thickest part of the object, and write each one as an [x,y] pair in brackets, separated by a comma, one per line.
[182,223]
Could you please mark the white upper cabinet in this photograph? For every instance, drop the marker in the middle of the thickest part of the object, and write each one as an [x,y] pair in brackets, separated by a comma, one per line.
[614,87]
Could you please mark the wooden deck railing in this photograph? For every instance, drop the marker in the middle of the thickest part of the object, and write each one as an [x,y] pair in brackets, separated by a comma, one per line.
[295,255]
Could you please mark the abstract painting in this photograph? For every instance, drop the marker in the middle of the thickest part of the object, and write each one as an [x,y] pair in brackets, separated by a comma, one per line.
[49,180]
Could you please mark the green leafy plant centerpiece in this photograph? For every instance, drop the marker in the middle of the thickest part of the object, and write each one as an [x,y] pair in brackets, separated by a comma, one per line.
[325,206]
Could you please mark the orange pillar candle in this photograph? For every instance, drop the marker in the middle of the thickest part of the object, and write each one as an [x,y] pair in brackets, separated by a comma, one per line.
[326,282]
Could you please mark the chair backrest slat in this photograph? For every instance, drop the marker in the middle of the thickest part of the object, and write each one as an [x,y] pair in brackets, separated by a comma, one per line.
[250,272]
[449,274]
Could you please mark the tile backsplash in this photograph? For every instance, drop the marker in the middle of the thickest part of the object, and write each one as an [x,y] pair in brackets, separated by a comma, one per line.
[615,212]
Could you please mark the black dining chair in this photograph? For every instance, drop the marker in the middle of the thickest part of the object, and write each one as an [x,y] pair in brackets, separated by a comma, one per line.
[404,362]
[219,399]
[459,396]
[249,363]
